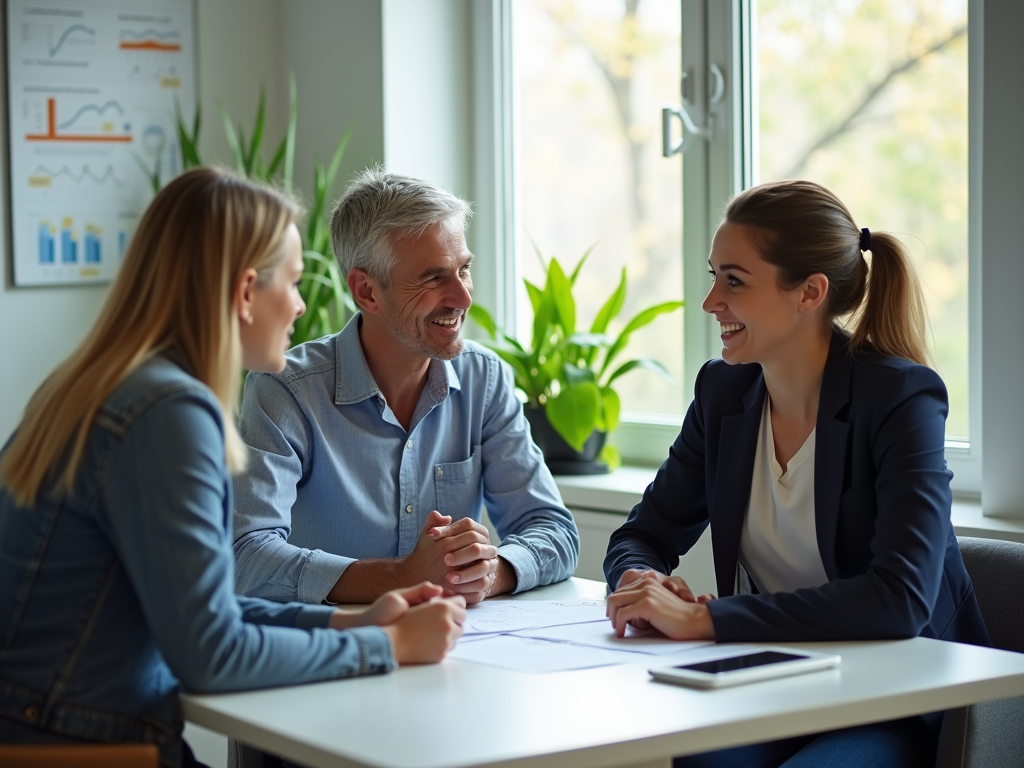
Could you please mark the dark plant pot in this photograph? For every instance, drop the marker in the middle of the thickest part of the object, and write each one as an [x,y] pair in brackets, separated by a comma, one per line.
[562,458]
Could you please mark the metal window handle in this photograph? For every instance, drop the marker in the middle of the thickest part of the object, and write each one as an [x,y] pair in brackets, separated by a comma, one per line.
[716,86]
[690,129]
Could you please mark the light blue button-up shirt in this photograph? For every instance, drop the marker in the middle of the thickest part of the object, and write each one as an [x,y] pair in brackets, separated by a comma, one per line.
[334,477]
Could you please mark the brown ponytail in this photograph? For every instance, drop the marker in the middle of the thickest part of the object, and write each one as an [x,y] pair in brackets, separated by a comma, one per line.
[803,229]
[892,319]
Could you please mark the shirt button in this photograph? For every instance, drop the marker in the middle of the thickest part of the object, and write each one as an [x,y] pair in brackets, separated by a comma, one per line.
[408,508]
[408,445]
[31,713]
[438,471]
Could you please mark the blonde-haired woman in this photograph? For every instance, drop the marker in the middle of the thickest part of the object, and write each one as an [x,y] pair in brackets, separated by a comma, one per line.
[115,496]
[816,456]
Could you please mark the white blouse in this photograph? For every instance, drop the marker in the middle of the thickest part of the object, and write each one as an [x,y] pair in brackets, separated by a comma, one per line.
[778,545]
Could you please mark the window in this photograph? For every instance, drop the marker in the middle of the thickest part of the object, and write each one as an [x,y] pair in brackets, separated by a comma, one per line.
[590,79]
[870,99]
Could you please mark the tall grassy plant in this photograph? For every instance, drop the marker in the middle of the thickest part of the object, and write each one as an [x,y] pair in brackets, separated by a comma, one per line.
[323,288]
[567,372]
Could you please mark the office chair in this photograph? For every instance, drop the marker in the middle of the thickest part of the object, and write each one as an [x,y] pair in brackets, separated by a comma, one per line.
[243,756]
[79,756]
[989,735]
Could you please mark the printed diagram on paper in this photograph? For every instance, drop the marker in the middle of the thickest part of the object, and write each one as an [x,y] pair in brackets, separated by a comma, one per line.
[92,86]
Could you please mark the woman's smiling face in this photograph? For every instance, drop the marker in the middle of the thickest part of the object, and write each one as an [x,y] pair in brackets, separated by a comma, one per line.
[758,318]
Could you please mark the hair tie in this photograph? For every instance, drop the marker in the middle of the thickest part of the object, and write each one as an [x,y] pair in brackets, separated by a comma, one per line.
[865,239]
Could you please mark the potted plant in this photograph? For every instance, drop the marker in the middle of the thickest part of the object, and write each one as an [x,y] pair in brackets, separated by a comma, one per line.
[566,376]
[323,288]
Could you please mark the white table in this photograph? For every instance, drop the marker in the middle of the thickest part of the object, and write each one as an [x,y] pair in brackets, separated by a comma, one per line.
[459,714]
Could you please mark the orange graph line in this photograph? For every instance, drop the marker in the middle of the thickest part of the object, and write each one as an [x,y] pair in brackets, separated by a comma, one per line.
[51,130]
[149,45]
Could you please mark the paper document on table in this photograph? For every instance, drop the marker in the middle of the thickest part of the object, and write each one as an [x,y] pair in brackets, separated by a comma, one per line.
[495,616]
[527,654]
[602,635]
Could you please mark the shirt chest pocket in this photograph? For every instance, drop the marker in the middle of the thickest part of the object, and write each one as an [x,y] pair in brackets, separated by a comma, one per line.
[459,487]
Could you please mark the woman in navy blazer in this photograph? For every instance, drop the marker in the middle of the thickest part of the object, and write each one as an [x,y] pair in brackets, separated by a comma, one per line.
[787,264]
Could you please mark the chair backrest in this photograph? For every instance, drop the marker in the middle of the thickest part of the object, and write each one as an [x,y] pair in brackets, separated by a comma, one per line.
[997,570]
[79,756]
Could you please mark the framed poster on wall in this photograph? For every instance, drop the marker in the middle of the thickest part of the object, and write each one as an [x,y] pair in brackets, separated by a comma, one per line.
[91,90]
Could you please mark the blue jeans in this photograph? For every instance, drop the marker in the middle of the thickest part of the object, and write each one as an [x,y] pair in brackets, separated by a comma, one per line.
[907,743]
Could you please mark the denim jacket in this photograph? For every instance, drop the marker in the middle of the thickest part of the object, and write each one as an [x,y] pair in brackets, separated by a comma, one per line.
[111,595]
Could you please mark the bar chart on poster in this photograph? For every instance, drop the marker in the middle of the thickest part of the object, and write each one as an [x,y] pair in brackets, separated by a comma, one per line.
[92,87]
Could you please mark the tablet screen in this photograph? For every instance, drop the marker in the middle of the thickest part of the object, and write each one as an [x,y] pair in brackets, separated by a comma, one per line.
[741,662]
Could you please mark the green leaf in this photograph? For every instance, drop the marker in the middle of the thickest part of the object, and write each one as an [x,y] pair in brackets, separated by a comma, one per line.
[253,160]
[277,159]
[574,375]
[483,318]
[232,138]
[544,320]
[189,143]
[611,406]
[314,277]
[536,250]
[642,318]
[289,138]
[611,308]
[514,343]
[521,372]
[152,174]
[339,152]
[561,294]
[574,413]
[588,340]
[325,320]
[319,258]
[580,263]
[644,362]
[610,456]
[535,294]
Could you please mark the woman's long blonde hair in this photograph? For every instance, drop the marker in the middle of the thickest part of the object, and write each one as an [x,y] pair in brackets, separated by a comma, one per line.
[175,291]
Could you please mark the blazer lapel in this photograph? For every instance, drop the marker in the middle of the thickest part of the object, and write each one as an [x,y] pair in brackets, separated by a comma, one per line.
[732,492]
[830,449]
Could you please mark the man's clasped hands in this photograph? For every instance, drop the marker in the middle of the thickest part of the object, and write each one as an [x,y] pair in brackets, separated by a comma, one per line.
[455,565]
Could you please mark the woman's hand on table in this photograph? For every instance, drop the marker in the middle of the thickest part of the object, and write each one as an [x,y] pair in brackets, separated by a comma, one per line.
[386,609]
[428,631]
[646,599]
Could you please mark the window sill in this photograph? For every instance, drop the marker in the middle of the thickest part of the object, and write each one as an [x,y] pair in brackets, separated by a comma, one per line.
[618,491]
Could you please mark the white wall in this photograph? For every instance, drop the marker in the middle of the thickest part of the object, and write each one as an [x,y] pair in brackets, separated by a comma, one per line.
[427,81]
[334,50]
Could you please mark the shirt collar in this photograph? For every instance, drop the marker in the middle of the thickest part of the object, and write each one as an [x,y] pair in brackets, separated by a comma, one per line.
[354,382]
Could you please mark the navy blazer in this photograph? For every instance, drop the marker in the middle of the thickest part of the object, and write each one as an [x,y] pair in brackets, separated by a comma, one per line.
[881,506]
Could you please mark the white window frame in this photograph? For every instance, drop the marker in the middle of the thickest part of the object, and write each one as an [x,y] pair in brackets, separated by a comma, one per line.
[715,31]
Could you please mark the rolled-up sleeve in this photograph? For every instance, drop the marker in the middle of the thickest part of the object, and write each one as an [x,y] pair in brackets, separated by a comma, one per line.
[539,536]
[277,432]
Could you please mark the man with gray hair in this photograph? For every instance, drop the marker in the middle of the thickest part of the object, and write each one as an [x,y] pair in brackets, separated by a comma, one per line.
[374,451]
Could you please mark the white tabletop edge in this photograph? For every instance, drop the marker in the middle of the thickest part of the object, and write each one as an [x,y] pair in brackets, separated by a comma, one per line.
[968,674]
